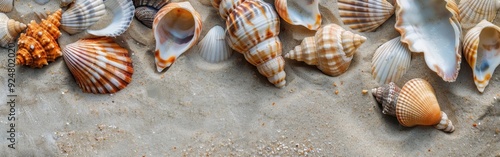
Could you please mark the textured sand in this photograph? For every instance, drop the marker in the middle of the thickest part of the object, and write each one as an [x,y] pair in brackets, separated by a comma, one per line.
[228,109]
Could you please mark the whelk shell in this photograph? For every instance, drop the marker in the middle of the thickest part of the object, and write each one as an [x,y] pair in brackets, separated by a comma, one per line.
[474,11]
[123,13]
[145,10]
[331,49]
[415,104]
[300,12]
[482,52]
[213,47]
[176,28]
[99,65]
[390,61]
[364,15]
[9,30]
[6,5]
[81,15]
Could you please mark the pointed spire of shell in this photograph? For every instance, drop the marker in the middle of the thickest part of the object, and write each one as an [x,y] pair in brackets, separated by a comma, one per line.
[9,30]
[387,97]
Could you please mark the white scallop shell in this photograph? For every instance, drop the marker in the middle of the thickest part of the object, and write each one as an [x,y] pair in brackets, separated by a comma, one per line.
[6,5]
[42,2]
[9,30]
[123,12]
[82,15]
[300,12]
[364,15]
[213,47]
[390,61]
[474,11]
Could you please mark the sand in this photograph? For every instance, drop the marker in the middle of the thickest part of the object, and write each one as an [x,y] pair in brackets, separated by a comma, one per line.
[196,108]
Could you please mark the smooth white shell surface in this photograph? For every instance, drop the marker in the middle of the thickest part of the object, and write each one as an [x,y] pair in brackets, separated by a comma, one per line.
[213,47]
[123,13]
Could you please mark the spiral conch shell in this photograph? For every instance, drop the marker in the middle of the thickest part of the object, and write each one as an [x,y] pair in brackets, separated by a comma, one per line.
[414,104]
[9,30]
[252,28]
[474,11]
[482,52]
[300,12]
[331,49]
[38,45]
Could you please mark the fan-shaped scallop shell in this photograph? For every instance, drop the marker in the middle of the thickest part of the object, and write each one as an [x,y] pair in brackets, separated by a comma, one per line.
[82,15]
[145,10]
[482,52]
[390,61]
[474,11]
[364,15]
[123,13]
[256,36]
[6,5]
[303,12]
[9,30]
[176,28]
[38,45]
[99,65]
[331,49]
[213,47]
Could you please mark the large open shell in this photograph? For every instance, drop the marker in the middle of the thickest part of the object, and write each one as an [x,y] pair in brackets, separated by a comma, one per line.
[145,10]
[390,61]
[9,30]
[82,15]
[123,13]
[364,15]
[474,11]
[300,12]
[213,47]
[482,52]
[432,27]
[6,5]
[176,27]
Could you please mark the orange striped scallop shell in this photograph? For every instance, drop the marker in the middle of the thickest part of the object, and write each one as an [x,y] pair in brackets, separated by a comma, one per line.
[417,104]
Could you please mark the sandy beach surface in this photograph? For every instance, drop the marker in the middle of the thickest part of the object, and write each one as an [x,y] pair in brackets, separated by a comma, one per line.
[196,108]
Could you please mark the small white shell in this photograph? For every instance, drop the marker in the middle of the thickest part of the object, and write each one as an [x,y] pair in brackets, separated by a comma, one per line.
[82,15]
[300,12]
[123,12]
[213,47]
[9,30]
[42,2]
[6,5]
[390,61]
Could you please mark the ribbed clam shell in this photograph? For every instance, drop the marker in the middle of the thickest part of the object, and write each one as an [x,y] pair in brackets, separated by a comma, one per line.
[123,13]
[432,27]
[331,49]
[176,28]
[387,97]
[82,15]
[41,2]
[99,65]
[474,11]
[6,5]
[417,104]
[9,30]
[481,50]
[364,15]
[213,47]
[300,12]
[157,4]
[390,61]
[146,15]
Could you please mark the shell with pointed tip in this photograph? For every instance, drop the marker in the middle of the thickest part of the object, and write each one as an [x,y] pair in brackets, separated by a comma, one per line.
[303,12]
[123,12]
[474,11]
[390,61]
[6,5]
[256,36]
[176,28]
[42,2]
[82,15]
[387,96]
[364,15]
[482,52]
[9,30]
[213,47]
[331,49]
[65,3]
[38,45]
[432,27]
[99,65]
[145,10]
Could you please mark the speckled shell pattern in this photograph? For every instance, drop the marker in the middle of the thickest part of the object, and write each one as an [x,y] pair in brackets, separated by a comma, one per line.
[303,12]
[38,45]
[474,11]
[331,49]
[81,15]
[145,10]
[252,28]
[9,30]
[364,15]
[6,5]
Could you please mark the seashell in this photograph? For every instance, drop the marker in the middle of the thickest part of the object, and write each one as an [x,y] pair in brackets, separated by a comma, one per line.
[6,5]
[256,36]
[42,2]
[213,48]
[482,52]
[474,11]
[331,49]
[415,104]
[432,27]
[82,15]
[9,30]
[99,65]
[145,10]
[176,28]
[65,3]
[390,61]
[123,13]
[364,15]
[304,12]
[38,45]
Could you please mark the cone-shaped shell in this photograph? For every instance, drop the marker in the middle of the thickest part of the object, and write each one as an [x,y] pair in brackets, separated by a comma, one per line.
[123,13]
[331,49]
[82,15]
[176,28]
[387,97]
[99,65]
[145,10]
[474,11]
[390,61]
[303,12]
[213,47]
[6,5]
[482,52]
[9,30]
[364,15]
[417,104]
